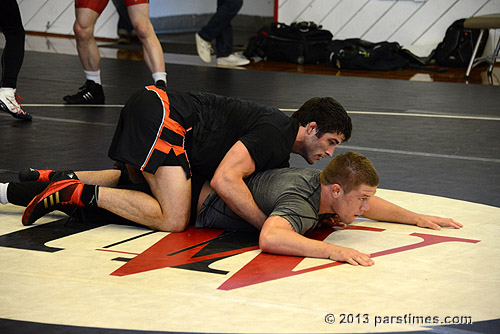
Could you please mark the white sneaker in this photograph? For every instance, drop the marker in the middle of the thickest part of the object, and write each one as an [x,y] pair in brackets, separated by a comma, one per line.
[204,49]
[9,104]
[232,60]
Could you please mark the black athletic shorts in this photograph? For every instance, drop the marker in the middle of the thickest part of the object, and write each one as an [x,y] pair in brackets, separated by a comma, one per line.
[150,133]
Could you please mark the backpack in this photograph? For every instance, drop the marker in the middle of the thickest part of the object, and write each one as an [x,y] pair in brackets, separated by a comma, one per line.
[358,54]
[300,43]
[458,45]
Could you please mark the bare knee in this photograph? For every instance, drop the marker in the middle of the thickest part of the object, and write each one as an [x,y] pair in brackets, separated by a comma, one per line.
[173,224]
[83,32]
[144,30]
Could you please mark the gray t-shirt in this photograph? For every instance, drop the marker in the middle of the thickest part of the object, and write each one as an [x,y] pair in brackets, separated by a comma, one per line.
[289,193]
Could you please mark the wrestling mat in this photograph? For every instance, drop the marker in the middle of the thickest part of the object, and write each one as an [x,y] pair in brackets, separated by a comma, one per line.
[114,278]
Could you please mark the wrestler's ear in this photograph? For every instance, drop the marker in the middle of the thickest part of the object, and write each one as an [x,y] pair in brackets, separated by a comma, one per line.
[336,190]
[312,128]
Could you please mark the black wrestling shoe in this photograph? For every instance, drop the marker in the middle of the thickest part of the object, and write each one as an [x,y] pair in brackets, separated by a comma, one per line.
[161,83]
[31,174]
[90,93]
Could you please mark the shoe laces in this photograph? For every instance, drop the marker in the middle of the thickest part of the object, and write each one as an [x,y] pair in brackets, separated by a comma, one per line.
[15,104]
[208,46]
[19,100]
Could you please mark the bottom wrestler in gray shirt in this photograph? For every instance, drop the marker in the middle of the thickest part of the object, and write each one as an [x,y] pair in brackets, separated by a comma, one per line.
[291,193]
[295,200]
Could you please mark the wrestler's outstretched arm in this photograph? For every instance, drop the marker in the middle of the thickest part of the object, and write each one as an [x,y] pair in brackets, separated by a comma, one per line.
[386,211]
[278,237]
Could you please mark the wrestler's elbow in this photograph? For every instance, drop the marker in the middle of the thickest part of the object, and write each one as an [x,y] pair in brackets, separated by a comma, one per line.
[221,182]
[267,241]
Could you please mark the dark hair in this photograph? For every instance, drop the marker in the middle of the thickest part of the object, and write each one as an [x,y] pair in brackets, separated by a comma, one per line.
[349,170]
[328,113]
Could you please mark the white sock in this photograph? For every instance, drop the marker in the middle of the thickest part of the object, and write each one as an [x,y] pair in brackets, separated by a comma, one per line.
[160,76]
[93,75]
[3,193]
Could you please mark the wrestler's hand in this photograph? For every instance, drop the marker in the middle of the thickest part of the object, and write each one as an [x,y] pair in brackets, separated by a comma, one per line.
[435,223]
[332,221]
[351,256]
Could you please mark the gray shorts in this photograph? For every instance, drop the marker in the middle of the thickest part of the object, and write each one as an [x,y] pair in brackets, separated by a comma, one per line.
[214,213]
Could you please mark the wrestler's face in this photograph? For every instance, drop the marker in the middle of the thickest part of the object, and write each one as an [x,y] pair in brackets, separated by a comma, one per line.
[319,147]
[351,205]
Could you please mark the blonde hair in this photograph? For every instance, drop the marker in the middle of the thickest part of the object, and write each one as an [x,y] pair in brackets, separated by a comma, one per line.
[349,170]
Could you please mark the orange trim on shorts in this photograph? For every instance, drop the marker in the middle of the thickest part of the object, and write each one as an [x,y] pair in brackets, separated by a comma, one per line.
[170,124]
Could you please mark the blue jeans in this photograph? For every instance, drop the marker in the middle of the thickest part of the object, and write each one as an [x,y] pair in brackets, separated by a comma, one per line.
[219,27]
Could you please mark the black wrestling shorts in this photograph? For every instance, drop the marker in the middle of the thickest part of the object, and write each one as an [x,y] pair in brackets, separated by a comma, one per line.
[148,136]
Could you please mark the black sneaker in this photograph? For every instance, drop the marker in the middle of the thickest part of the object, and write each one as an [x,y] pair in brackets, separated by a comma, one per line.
[161,83]
[90,93]
[63,174]
[31,174]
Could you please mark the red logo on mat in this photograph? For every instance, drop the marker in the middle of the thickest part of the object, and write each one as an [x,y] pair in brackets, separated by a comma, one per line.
[188,249]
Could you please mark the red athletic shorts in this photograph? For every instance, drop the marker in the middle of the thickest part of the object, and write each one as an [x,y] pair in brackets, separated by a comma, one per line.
[99,5]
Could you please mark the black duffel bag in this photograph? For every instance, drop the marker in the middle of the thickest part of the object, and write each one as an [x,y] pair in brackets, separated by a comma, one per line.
[358,54]
[300,43]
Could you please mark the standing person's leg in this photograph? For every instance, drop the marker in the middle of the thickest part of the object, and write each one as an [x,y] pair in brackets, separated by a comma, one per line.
[226,11]
[210,31]
[153,53]
[13,53]
[12,58]
[219,28]
[125,27]
[224,41]
[88,52]
[87,14]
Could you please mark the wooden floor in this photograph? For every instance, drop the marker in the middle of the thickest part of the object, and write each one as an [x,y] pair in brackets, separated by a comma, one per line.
[478,75]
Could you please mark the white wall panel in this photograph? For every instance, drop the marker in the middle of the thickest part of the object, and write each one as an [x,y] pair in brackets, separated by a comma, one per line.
[29,9]
[460,9]
[392,21]
[421,20]
[64,23]
[316,10]
[48,15]
[366,17]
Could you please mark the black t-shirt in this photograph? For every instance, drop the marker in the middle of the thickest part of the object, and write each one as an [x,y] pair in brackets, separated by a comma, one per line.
[219,122]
